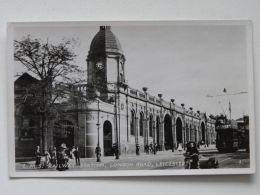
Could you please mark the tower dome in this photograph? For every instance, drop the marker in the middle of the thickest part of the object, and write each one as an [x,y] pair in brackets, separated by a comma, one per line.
[105,42]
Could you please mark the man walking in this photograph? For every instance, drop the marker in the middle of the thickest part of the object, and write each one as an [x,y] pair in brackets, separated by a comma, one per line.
[76,155]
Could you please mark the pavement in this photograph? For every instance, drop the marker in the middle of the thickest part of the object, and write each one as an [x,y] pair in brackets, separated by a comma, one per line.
[130,162]
[162,160]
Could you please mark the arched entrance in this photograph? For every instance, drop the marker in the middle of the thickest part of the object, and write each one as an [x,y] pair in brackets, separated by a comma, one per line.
[168,139]
[141,124]
[151,126]
[132,123]
[203,132]
[63,133]
[179,131]
[107,136]
[158,130]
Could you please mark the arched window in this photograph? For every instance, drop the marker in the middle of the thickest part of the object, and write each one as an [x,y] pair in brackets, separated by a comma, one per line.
[187,132]
[141,124]
[107,138]
[158,130]
[132,123]
[151,126]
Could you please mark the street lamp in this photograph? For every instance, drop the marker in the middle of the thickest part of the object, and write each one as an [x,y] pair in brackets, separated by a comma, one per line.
[146,117]
[115,101]
[199,127]
[98,149]
[172,103]
[184,126]
[191,131]
[161,145]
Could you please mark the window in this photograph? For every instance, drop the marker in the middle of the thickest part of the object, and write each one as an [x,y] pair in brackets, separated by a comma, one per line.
[132,123]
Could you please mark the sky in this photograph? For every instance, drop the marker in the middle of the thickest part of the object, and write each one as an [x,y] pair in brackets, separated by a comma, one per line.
[185,62]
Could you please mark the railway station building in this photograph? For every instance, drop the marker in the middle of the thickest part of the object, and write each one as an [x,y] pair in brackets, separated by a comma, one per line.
[118,113]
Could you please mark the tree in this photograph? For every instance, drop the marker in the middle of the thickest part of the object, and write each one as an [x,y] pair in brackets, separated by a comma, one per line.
[53,66]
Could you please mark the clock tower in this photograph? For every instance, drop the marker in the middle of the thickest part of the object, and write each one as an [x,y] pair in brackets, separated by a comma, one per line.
[105,62]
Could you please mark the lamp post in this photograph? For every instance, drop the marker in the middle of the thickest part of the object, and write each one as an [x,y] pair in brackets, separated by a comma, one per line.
[98,149]
[191,133]
[146,117]
[184,126]
[116,146]
[162,139]
[199,127]
[172,103]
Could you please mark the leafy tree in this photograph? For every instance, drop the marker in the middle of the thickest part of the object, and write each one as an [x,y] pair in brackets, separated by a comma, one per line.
[52,65]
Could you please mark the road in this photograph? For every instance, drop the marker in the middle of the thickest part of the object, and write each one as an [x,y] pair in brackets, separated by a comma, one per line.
[162,160]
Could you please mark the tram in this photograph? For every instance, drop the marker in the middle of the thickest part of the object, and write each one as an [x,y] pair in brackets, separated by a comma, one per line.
[231,135]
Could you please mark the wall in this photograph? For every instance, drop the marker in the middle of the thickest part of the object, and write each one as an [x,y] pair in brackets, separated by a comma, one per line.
[44,10]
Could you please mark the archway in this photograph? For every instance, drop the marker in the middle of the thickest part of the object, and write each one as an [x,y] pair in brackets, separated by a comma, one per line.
[158,130]
[203,133]
[168,138]
[151,126]
[179,131]
[107,136]
[132,123]
[63,133]
[141,124]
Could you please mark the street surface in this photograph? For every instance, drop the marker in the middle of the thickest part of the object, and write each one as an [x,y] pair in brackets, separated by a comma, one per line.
[162,160]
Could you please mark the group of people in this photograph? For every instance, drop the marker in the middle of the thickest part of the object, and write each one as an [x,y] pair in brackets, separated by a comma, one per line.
[151,149]
[58,158]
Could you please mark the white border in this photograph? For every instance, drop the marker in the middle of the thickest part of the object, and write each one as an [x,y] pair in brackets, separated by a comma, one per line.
[10,110]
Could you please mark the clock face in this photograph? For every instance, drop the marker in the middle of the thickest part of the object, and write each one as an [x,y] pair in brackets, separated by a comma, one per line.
[100,66]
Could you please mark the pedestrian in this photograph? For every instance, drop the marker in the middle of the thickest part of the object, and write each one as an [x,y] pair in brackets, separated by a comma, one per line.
[72,152]
[50,150]
[45,160]
[137,150]
[62,158]
[114,149]
[192,153]
[59,160]
[158,147]
[53,156]
[38,157]
[146,148]
[77,156]
[98,153]
[151,147]
[179,147]
[155,148]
